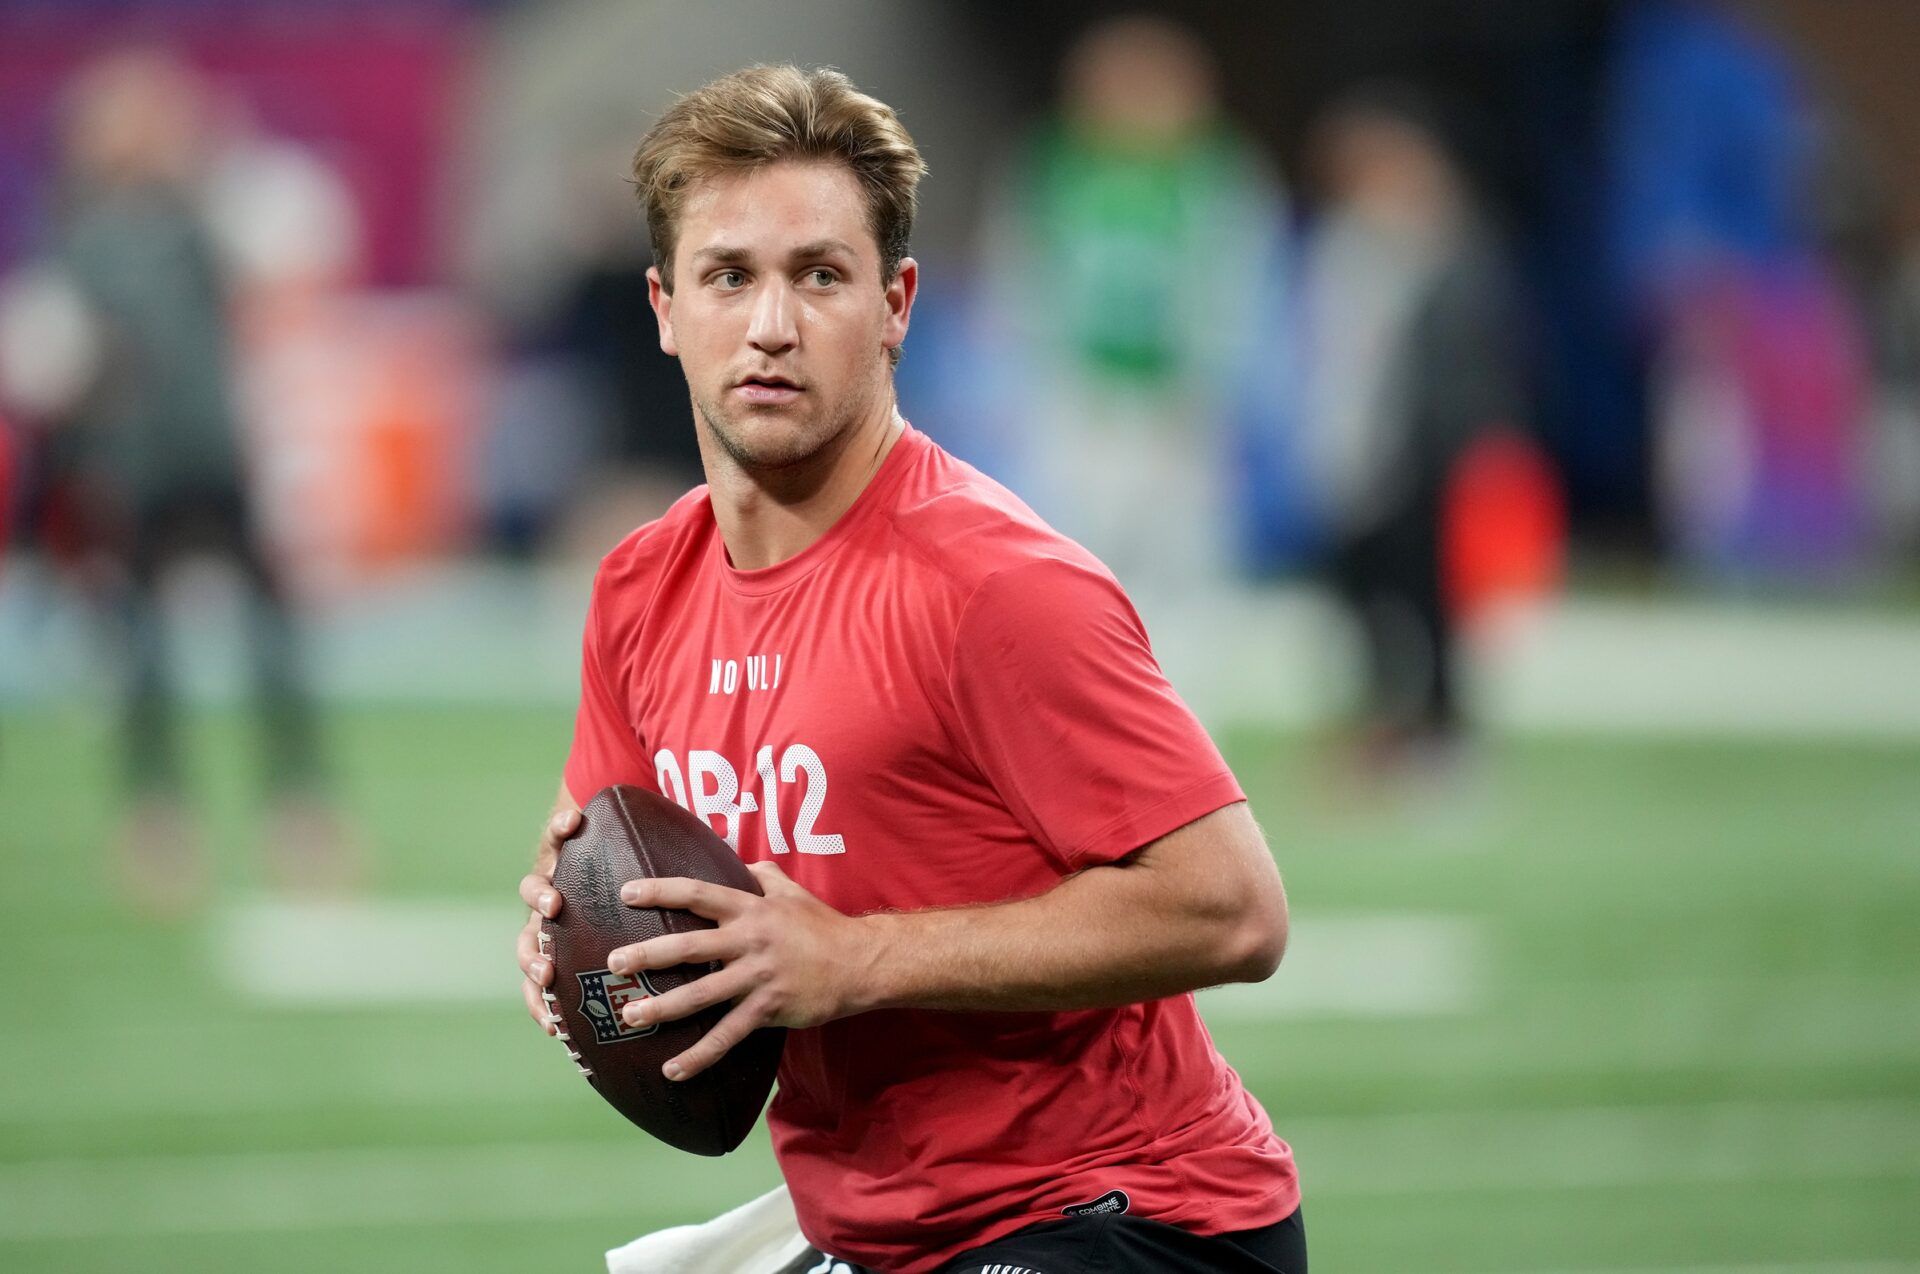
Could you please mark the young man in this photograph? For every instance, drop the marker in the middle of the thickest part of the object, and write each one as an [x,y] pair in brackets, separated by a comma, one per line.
[997,850]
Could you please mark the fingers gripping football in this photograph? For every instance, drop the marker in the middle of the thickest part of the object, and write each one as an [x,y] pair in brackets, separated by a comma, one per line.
[544,902]
[787,959]
[537,974]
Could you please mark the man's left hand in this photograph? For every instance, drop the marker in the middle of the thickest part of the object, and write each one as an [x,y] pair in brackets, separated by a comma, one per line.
[787,959]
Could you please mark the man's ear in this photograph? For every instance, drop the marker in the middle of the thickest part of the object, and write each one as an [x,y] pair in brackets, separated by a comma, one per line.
[901,289]
[662,302]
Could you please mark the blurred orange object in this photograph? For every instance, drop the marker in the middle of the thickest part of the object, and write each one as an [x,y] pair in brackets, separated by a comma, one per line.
[1503,528]
[362,412]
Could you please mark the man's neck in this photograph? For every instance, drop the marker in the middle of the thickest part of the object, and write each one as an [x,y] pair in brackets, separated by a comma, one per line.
[767,517]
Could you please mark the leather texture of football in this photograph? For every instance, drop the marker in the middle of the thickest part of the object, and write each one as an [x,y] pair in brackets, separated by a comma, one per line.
[629,833]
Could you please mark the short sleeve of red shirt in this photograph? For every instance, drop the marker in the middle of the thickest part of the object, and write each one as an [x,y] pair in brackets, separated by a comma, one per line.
[605,749]
[1062,705]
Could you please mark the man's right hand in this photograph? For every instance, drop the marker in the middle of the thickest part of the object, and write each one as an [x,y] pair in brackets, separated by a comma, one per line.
[537,891]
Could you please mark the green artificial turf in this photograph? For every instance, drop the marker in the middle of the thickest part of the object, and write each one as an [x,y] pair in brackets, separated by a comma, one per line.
[1697,1043]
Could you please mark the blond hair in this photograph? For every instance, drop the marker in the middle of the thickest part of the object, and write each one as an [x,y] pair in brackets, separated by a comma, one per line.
[762,115]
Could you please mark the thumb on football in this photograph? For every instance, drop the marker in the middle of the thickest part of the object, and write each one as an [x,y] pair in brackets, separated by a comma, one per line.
[772,879]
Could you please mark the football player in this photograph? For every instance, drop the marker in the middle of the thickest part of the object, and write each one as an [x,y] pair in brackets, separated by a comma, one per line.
[998,852]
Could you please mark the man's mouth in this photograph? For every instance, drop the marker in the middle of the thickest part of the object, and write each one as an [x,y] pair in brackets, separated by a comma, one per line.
[767,389]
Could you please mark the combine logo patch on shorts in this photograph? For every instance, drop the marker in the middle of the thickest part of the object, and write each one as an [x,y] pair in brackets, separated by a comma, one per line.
[1110,1202]
[603,993]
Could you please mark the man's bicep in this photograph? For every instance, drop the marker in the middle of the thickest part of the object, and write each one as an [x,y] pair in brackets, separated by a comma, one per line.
[1064,708]
[1223,844]
[1218,868]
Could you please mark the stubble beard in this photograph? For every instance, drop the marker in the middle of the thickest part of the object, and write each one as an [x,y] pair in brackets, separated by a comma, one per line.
[801,441]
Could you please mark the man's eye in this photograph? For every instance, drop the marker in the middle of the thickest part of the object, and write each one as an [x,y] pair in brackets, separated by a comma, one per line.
[823,278]
[730,279]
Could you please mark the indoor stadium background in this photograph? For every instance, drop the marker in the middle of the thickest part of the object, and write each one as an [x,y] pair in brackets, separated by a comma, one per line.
[1619,974]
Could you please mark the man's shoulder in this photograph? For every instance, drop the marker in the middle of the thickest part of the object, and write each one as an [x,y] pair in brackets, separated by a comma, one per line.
[969,528]
[640,557]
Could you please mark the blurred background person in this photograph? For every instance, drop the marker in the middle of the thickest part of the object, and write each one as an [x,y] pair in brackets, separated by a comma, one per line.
[584,441]
[282,218]
[151,446]
[1129,251]
[1409,357]
[1754,356]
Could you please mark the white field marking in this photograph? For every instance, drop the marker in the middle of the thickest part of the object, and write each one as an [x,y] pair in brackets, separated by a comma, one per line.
[368,952]
[1457,1153]
[1623,1027]
[1285,656]
[1710,667]
[1394,964]
[1271,655]
[329,955]
[1576,1149]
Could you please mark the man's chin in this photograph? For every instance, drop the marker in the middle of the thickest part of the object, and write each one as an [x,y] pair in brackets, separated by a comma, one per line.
[769,440]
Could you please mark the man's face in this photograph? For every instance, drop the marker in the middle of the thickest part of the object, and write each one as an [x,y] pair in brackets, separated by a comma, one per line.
[778,314]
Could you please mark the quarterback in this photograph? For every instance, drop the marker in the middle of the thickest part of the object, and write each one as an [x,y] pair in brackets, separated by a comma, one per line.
[998,851]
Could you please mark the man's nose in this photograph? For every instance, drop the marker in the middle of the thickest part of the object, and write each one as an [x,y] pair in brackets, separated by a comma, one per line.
[774,327]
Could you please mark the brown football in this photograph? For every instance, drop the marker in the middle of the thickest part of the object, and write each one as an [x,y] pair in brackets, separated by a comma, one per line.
[628,833]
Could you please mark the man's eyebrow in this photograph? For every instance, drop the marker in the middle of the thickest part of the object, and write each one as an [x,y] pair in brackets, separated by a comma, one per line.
[824,248]
[723,255]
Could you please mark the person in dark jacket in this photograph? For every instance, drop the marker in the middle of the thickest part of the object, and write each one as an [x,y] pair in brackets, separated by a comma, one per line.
[1409,357]
[155,446]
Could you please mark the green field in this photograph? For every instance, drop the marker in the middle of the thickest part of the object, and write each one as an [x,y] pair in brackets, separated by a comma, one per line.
[1696,1043]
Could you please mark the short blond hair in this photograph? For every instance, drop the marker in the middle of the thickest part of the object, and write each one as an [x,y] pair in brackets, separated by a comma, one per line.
[762,115]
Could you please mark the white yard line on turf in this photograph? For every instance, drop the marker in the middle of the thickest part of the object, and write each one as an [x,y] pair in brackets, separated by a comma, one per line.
[1587,664]
[1581,1033]
[1453,1154]
[1390,964]
[367,952]
[1273,655]
[1490,1151]
[328,955]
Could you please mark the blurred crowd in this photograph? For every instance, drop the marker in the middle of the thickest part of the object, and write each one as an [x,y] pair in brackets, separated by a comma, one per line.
[241,315]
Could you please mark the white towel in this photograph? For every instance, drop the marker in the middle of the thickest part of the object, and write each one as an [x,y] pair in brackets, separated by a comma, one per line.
[758,1237]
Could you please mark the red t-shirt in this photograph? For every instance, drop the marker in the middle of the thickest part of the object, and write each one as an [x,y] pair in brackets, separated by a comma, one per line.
[941,701]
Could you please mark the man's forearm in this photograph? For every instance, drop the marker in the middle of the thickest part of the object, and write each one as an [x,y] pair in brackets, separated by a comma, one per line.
[1200,905]
[1108,935]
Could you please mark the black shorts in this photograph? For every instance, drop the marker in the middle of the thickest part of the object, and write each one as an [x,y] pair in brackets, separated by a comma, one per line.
[1116,1244]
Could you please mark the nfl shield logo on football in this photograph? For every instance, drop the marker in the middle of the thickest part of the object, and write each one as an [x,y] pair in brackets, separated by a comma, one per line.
[603,993]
